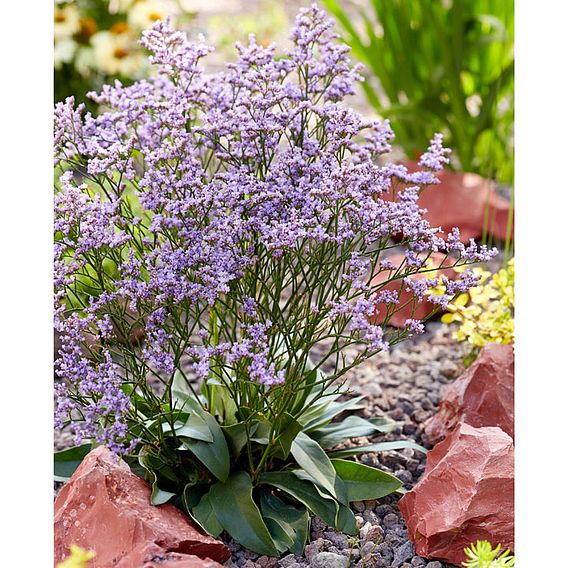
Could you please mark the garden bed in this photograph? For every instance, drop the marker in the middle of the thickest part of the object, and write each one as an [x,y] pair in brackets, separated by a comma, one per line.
[406,384]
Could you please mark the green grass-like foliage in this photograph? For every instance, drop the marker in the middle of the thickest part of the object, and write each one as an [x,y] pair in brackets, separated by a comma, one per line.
[440,66]
[483,555]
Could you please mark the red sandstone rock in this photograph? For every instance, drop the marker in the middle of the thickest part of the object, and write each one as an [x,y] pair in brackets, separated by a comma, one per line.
[466,201]
[106,508]
[466,494]
[482,396]
[421,309]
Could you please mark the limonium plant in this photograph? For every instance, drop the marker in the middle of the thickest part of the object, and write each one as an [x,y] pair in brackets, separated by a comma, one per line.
[238,219]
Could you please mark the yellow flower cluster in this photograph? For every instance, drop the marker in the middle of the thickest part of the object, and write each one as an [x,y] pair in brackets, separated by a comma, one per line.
[78,558]
[111,50]
[486,313]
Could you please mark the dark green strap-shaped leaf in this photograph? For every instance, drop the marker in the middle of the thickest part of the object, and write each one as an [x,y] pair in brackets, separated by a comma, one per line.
[287,525]
[238,514]
[204,514]
[314,461]
[159,496]
[65,462]
[305,491]
[288,428]
[236,435]
[213,455]
[364,482]
[346,521]
[262,432]
[225,406]
[326,413]
[193,427]
[192,494]
[352,427]
[379,447]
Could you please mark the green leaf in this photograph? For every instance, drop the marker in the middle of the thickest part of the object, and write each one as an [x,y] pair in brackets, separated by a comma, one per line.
[346,521]
[182,397]
[236,435]
[194,427]
[204,514]
[302,397]
[65,462]
[327,412]
[314,461]
[238,514]
[159,496]
[287,525]
[262,432]
[378,447]
[213,455]
[192,494]
[305,491]
[364,482]
[288,428]
[352,427]
[225,406]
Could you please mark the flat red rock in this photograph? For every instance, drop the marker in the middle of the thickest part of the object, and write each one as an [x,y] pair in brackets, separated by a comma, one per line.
[106,508]
[482,396]
[409,306]
[465,494]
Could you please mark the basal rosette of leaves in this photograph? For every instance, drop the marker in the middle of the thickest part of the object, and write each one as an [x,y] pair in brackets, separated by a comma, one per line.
[486,313]
[483,555]
[238,219]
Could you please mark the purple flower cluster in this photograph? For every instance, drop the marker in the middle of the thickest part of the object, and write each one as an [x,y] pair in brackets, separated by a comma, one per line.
[214,202]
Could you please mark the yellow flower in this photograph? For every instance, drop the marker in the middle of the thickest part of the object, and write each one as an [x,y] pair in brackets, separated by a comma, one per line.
[115,52]
[66,21]
[78,558]
[486,315]
[145,12]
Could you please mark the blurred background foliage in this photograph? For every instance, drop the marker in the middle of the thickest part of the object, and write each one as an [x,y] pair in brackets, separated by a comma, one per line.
[440,66]
[436,65]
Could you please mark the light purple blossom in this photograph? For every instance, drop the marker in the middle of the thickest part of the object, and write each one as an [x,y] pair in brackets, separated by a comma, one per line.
[228,213]
[436,156]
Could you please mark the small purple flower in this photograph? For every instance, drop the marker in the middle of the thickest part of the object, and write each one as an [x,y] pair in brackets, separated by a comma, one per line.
[436,156]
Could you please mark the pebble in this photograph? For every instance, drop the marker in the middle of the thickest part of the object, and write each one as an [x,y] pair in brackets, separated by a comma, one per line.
[329,560]
[286,562]
[404,475]
[450,370]
[374,533]
[403,553]
[390,520]
[359,506]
